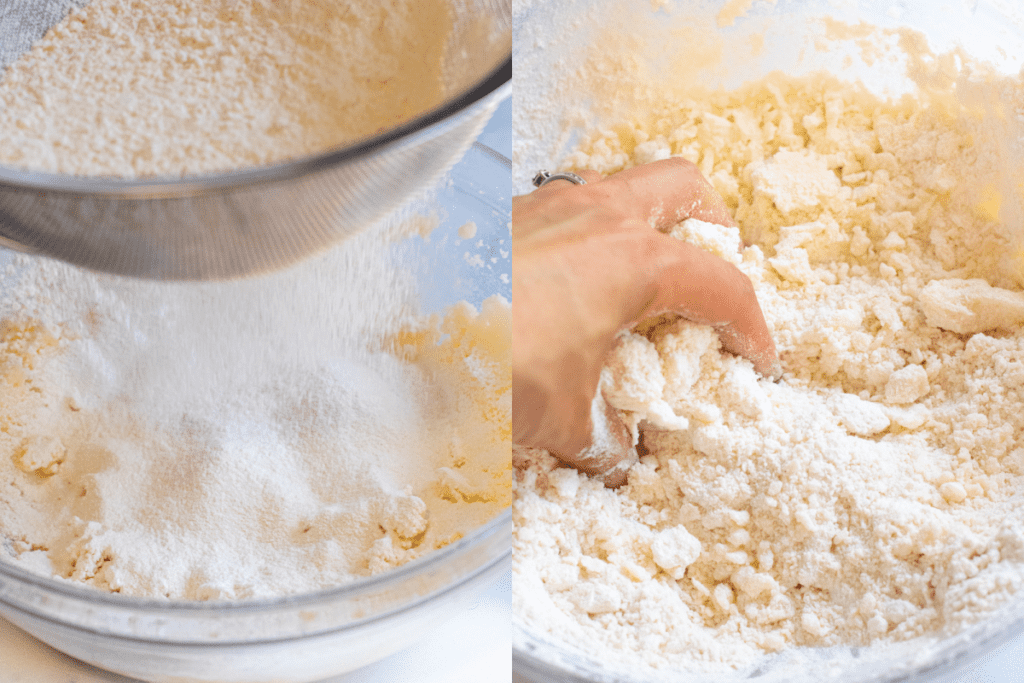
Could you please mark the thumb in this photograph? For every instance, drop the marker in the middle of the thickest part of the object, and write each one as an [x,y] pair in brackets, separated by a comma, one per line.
[709,290]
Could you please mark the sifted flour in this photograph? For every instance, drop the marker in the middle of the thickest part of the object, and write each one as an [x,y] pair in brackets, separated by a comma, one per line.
[134,88]
[245,439]
[875,493]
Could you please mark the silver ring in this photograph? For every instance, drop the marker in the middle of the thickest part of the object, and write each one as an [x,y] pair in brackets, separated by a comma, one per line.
[544,177]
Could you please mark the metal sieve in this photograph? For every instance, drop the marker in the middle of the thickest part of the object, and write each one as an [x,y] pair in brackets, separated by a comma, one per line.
[252,220]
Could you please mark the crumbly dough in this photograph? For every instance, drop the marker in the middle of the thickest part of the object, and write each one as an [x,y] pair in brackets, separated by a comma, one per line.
[234,440]
[875,493]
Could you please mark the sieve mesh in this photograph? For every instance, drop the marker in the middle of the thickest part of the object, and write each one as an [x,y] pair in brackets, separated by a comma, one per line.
[251,220]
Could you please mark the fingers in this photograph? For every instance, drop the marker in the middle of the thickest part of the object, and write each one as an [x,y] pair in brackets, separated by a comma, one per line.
[598,444]
[661,193]
[711,291]
[587,175]
[542,418]
[609,452]
[672,190]
[588,263]
[552,204]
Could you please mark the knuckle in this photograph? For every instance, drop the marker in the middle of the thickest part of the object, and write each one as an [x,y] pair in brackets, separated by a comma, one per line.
[741,282]
[682,164]
[607,204]
[652,245]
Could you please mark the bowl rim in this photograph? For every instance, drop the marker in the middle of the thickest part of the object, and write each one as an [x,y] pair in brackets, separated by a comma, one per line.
[969,645]
[502,522]
[496,82]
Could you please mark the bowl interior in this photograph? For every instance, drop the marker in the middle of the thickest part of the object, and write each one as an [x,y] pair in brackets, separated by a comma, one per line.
[764,37]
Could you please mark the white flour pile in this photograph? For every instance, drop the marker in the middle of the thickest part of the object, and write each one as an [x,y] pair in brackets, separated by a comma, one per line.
[126,87]
[245,439]
[877,492]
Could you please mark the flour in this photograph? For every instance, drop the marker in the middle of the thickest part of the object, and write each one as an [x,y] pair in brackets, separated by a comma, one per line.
[131,88]
[874,494]
[245,439]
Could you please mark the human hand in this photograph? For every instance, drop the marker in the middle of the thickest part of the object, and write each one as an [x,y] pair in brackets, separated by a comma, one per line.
[589,262]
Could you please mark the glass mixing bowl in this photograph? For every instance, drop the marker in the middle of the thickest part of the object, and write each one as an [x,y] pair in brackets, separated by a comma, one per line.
[991,31]
[257,219]
[310,636]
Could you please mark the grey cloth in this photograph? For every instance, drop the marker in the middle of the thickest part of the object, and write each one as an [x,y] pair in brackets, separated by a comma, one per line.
[23,22]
